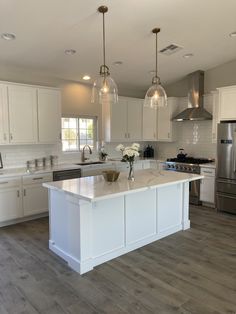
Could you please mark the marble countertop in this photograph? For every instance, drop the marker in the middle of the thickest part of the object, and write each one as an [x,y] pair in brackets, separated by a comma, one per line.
[96,188]
[21,171]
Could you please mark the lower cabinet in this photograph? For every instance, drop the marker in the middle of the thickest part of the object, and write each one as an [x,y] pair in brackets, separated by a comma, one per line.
[10,199]
[35,196]
[23,196]
[207,186]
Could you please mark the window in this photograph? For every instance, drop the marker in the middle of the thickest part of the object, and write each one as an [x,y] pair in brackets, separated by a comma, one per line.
[77,132]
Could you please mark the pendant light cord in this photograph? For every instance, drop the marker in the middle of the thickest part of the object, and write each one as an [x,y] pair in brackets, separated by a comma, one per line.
[156,54]
[104,40]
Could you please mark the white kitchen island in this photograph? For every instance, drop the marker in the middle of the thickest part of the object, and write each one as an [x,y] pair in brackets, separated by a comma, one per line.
[93,221]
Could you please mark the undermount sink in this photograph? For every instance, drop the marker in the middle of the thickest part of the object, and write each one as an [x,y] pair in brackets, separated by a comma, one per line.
[89,163]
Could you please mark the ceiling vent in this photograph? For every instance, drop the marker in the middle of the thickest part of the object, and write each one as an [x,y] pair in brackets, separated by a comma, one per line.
[169,50]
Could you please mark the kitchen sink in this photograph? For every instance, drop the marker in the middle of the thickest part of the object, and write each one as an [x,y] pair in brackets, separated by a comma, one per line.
[90,163]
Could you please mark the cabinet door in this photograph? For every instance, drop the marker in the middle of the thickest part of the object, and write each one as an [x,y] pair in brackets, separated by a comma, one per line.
[49,115]
[149,124]
[10,204]
[4,131]
[207,190]
[119,120]
[227,103]
[215,116]
[22,114]
[35,199]
[135,110]
[164,123]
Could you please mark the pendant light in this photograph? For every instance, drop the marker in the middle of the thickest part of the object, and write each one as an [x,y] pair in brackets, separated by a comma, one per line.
[104,87]
[156,95]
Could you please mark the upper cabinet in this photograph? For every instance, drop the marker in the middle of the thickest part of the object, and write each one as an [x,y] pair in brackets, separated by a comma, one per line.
[165,125]
[49,115]
[215,115]
[4,127]
[29,115]
[122,121]
[22,114]
[227,103]
[149,124]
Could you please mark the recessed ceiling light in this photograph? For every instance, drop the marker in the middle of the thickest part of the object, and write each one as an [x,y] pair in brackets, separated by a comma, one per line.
[8,36]
[86,77]
[118,63]
[233,34]
[188,55]
[70,52]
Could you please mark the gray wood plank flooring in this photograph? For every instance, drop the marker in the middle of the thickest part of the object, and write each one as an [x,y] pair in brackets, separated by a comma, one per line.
[190,272]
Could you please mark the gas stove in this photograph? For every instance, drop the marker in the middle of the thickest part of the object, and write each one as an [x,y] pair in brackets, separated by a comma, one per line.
[187,164]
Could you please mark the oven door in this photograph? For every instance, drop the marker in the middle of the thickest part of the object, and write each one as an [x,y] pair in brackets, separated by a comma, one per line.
[194,192]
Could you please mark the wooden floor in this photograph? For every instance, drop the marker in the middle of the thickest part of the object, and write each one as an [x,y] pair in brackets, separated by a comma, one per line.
[190,272]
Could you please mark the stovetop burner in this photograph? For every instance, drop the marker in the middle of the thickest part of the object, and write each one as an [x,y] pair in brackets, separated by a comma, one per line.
[191,160]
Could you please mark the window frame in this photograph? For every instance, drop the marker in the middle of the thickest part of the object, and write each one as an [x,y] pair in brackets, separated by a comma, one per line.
[95,131]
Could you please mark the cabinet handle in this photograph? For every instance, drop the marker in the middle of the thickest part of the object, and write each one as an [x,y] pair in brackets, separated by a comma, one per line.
[168,135]
[39,178]
[4,182]
[128,135]
[11,137]
[125,135]
[60,136]
[24,192]
[18,193]
[5,137]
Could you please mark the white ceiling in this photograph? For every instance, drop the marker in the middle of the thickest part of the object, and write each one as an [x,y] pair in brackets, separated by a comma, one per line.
[45,28]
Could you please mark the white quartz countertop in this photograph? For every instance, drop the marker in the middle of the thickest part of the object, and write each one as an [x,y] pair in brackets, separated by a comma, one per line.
[22,171]
[96,188]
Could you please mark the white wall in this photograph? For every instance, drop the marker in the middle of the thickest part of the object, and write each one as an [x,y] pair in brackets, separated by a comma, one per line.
[222,75]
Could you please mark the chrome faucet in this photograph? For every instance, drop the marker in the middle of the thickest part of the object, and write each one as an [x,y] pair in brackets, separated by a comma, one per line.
[82,155]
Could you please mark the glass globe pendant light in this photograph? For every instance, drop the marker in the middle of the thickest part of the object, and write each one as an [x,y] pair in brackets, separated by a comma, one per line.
[104,87]
[156,95]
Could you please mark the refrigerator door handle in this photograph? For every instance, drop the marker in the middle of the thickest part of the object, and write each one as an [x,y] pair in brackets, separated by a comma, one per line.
[234,152]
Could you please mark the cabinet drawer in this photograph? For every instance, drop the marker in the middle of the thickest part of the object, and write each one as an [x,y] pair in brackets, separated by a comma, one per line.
[9,182]
[38,178]
[208,172]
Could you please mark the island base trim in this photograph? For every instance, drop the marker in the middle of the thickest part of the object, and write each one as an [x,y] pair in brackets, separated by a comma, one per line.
[85,266]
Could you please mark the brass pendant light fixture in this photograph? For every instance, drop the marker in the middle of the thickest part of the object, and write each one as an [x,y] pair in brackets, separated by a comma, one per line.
[104,87]
[156,95]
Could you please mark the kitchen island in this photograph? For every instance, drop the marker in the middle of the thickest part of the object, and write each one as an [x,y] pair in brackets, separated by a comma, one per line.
[93,221]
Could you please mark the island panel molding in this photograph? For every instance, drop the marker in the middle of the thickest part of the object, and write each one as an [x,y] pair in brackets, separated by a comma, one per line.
[115,218]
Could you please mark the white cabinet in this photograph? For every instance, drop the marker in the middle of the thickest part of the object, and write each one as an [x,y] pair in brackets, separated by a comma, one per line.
[227,99]
[134,118]
[35,196]
[49,115]
[149,124]
[122,121]
[22,114]
[4,128]
[165,124]
[215,115]
[207,185]
[10,199]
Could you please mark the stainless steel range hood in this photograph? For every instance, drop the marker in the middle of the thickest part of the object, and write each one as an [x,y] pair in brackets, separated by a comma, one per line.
[195,110]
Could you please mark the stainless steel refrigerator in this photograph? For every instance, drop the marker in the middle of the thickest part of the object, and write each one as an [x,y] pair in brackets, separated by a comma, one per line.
[226,168]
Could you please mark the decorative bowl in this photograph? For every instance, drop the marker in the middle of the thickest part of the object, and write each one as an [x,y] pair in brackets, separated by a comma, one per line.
[110,175]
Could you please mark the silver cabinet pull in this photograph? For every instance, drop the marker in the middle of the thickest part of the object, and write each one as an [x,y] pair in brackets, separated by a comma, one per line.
[39,178]
[5,137]
[205,171]
[60,136]
[18,193]
[24,192]
[4,182]
[11,137]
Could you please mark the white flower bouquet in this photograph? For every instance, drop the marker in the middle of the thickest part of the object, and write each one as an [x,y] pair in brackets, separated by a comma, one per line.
[128,154]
